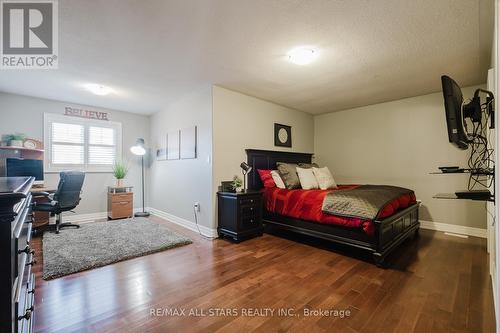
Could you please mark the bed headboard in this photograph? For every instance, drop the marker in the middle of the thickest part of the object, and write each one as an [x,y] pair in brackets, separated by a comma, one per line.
[267,159]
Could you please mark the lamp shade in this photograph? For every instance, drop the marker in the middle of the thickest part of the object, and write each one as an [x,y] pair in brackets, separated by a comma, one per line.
[139,148]
[245,167]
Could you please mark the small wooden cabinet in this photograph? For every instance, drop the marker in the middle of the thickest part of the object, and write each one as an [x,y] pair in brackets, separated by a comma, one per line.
[120,202]
[240,215]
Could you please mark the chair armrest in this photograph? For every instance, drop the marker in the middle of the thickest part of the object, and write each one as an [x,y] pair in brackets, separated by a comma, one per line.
[40,194]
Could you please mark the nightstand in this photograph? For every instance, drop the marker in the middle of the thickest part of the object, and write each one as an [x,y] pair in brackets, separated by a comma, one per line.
[240,215]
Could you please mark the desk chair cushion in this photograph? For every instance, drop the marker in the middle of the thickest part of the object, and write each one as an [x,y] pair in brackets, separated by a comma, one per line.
[44,207]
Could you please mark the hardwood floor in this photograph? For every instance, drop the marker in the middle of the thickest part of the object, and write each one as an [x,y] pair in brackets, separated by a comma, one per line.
[436,283]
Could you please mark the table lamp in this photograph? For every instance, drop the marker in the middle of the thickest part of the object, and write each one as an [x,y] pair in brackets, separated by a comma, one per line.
[245,169]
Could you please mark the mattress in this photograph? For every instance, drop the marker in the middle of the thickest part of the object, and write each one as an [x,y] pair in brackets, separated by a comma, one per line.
[307,205]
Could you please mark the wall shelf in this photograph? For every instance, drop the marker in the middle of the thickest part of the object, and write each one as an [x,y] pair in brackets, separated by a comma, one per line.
[453,196]
[21,148]
[477,172]
[490,172]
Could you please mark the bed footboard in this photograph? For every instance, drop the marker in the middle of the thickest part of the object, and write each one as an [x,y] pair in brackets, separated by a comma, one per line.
[392,231]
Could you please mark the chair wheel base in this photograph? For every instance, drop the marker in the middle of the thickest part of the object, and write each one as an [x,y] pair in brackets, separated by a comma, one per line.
[56,228]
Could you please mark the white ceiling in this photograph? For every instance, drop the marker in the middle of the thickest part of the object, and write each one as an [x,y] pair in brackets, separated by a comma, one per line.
[151,52]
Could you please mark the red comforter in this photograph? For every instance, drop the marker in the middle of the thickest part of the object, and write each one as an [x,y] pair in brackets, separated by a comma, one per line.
[307,205]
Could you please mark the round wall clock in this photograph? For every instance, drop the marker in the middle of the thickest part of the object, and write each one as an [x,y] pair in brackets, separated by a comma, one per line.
[282,135]
[30,144]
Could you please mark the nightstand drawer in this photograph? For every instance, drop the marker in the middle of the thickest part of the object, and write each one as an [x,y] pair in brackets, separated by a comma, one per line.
[249,201]
[249,222]
[249,210]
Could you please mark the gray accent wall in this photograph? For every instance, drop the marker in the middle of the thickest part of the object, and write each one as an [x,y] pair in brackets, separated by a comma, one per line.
[175,185]
[399,143]
[25,115]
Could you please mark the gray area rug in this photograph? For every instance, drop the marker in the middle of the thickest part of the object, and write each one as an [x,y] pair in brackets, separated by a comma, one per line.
[102,243]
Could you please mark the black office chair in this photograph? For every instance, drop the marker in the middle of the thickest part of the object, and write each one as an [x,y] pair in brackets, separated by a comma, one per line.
[66,198]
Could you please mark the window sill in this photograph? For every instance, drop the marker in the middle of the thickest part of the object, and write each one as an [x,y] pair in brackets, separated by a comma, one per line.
[69,169]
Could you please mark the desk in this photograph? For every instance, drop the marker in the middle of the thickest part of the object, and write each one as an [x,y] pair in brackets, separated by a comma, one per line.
[41,218]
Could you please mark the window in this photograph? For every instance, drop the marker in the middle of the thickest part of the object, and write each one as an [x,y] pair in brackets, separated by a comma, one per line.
[83,144]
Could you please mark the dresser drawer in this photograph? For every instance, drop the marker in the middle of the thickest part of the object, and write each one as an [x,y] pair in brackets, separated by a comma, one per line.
[24,293]
[22,231]
[25,316]
[121,197]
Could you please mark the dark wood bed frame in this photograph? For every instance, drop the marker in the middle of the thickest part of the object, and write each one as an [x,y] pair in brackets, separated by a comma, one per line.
[389,232]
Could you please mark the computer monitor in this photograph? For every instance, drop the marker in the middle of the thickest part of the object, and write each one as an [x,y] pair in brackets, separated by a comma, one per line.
[17,167]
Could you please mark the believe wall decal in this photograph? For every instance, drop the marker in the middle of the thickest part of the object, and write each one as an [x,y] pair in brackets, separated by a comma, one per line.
[74,112]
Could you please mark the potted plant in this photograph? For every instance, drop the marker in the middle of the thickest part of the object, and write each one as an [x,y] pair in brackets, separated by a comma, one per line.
[120,170]
[237,184]
[14,140]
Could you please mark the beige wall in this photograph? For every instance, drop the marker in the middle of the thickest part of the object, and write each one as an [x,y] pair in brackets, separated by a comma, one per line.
[399,143]
[242,122]
[175,185]
[25,115]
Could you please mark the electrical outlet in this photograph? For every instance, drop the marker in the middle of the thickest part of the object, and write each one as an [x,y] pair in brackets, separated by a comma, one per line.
[197,206]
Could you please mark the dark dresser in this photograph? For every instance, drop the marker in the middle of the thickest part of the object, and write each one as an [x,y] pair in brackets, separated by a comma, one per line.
[17,282]
[240,214]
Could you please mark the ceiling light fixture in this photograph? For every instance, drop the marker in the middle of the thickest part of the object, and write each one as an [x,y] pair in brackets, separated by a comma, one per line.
[302,55]
[98,89]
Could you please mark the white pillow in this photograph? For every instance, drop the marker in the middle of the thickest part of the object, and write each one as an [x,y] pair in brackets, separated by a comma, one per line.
[324,178]
[307,179]
[277,179]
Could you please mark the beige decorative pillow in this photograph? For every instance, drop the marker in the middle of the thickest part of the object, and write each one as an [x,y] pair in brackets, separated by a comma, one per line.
[308,165]
[307,179]
[277,179]
[324,178]
[288,172]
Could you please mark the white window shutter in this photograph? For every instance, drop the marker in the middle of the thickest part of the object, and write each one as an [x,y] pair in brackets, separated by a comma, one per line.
[102,146]
[67,144]
[83,144]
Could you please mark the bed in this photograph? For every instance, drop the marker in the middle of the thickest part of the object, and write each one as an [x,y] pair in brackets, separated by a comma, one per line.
[380,238]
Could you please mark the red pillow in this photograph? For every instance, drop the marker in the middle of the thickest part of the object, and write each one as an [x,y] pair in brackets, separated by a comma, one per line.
[267,179]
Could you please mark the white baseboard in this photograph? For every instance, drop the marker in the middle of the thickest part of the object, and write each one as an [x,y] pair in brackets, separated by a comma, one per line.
[86,218]
[494,287]
[453,228]
[208,232]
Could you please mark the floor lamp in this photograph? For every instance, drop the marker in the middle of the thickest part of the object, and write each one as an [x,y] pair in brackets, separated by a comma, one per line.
[140,150]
